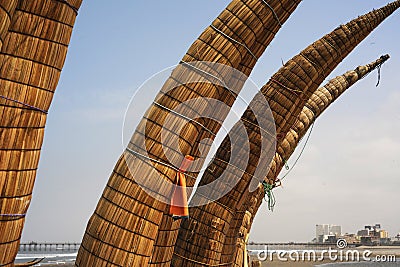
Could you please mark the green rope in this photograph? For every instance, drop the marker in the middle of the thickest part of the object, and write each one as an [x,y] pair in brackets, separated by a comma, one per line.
[286,164]
[269,194]
[301,152]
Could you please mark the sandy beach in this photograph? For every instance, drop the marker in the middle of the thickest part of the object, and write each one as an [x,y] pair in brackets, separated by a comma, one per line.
[277,263]
[390,253]
[374,251]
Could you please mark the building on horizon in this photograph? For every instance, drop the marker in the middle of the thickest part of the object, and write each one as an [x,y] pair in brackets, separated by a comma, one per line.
[351,238]
[327,233]
[373,235]
[336,230]
[396,239]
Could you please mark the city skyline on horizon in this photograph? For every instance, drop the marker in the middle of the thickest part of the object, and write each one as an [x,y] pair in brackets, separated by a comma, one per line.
[349,232]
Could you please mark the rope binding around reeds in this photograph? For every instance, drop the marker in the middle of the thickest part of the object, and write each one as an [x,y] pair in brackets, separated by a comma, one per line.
[23,104]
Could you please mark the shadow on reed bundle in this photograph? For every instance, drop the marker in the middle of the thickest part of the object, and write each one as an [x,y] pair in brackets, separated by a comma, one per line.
[32,56]
[264,20]
[202,237]
[315,106]
[242,239]
[7,8]
[124,226]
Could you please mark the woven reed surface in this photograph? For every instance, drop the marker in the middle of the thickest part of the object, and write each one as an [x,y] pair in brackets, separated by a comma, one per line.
[231,249]
[233,246]
[259,22]
[7,8]
[31,58]
[318,103]
[303,73]
[134,244]
[239,239]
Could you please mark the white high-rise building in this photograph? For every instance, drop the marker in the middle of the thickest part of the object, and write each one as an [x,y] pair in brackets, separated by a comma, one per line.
[321,230]
[335,230]
[324,230]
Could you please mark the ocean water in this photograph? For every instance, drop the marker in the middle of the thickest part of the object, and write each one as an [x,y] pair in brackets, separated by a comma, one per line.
[60,257]
[53,256]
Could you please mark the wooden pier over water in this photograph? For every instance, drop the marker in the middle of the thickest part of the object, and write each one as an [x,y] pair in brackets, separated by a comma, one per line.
[34,246]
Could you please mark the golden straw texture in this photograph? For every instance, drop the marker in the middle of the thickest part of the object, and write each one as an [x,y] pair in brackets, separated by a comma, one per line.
[32,56]
[7,8]
[315,106]
[124,226]
[263,22]
[286,92]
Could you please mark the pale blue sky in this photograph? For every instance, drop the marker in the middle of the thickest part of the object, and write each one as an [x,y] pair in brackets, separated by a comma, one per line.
[348,174]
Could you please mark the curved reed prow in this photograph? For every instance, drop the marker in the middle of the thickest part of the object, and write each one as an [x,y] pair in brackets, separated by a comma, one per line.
[315,106]
[272,15]
[140,215]
[287,93]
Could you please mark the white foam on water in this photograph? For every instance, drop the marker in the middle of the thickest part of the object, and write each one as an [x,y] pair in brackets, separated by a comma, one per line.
[47,256]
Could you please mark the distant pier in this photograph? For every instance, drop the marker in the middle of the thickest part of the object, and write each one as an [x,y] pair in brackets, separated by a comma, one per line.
[34,246]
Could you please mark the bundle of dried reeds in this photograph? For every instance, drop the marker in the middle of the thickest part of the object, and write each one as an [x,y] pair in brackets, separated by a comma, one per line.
[287,92]
[31,59]
[7,8]
[124,227]
[265,19]
[315,106]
